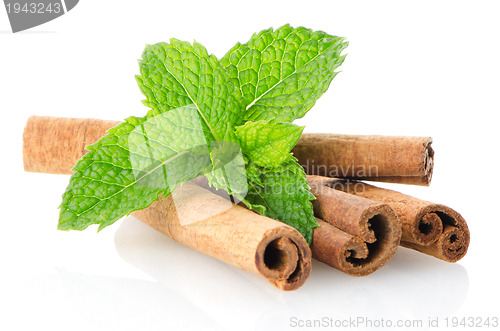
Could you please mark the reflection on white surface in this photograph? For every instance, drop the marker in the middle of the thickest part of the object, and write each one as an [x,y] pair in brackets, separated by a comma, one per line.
[67,300]
[96,302]
[112,303]
[411,285]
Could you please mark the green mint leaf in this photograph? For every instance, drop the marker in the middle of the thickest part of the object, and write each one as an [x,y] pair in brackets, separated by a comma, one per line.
[200,124]
[268,144]
[132,165]
[281,73]
[285,196]
[177,74]
[228,171]
[193,103]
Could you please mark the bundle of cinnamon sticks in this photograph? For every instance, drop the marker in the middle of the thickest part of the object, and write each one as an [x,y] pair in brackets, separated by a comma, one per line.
[361,225]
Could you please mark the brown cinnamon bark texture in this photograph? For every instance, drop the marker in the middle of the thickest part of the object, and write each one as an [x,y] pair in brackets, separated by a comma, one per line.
[54,144]
[375,226]
[427,227]
[233,234]
[356,235]
[406,160]
[398,159]
[191,215]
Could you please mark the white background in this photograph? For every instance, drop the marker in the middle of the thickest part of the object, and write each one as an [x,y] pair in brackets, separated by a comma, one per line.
[426,68]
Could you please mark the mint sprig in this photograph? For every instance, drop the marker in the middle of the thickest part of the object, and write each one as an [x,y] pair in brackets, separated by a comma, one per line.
[227,120]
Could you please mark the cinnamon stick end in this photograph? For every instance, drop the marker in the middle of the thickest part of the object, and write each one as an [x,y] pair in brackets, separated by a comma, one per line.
[452,243]
[284,258]
[426,228]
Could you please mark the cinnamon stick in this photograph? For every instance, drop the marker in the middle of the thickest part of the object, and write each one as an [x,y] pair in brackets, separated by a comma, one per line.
[406,160]
[427,227]
[356,235]
[191,215]
[394,159]
[233,234]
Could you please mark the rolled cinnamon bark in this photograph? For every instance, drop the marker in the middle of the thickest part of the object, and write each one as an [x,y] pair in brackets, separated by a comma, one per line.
[191,215]
[406,160]
[233,234]
[430,228]
[356,235]
[397,159]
